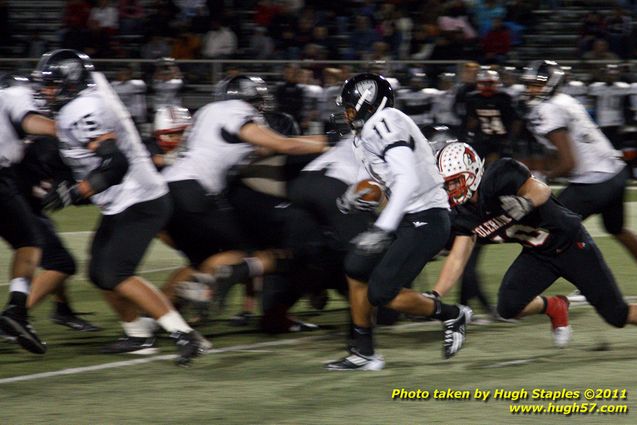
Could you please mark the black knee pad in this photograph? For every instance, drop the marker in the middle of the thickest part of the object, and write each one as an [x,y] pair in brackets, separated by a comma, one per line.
[379,295]
[615,315]
[507,309]
[359,266]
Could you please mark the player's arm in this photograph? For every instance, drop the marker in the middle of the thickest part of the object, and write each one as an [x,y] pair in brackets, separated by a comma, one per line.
[112,169]
[529,196]
[565,158]
[402,162]
[455,263]
[299,145]
[34,123]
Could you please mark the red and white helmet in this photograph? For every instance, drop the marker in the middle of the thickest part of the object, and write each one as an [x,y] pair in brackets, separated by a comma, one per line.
[170,120]
[459,163]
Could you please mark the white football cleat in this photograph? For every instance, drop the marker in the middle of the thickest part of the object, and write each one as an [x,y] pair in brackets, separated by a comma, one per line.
[562,336]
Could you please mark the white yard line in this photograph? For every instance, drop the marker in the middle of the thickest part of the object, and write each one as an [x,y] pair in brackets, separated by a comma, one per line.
[125,363]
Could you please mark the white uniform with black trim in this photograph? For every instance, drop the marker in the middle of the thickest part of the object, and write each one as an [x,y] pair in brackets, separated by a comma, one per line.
[609,102]
[394,153]
[87,117]
[15,104]
[133,95]
[167,92]
[418,104]
[212,145]
[443,111]
[595,158]
[339,163]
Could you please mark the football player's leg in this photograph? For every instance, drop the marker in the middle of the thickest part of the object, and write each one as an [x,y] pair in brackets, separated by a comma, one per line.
[519,294]
[613,214]
[584,266]
[18,228]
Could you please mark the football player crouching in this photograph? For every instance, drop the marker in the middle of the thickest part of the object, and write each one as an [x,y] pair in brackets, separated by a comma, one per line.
[507,203]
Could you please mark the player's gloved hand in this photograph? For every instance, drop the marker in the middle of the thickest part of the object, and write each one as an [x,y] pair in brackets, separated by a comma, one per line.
[61,195]
[353,199]
[516,207]
[373,241]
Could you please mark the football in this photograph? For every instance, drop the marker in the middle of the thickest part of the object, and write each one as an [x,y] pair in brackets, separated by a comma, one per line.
[375,192]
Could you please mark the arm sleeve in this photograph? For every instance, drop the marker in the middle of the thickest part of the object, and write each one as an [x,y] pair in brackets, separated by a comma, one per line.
[551,118]
[112,168]
[402,162]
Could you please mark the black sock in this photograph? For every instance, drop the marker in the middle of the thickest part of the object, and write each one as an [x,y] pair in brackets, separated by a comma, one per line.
[63,308]
[19,300]
[445,311]
[363,340]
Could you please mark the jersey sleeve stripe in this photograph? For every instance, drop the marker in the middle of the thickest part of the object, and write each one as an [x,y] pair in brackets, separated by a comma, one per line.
[410,144]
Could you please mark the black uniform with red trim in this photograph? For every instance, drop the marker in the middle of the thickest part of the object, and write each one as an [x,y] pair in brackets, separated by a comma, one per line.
[548,229]
[555,245]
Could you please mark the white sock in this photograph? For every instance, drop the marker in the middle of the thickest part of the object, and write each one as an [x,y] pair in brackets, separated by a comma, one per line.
[254,265]
[20,284]
[138,328]
[173,322]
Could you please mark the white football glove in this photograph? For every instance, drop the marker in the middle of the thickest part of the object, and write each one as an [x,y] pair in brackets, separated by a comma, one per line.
[516,207]
[352,199]
[373,241]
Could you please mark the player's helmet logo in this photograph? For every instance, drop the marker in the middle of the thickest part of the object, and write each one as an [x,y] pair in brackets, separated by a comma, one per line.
[462,170]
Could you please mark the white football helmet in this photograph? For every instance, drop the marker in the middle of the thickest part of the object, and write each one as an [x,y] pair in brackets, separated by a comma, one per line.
[170,121]
[462,170]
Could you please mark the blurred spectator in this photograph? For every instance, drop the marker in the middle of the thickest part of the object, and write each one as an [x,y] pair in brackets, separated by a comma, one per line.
[75,24]
[593,27]
[97,42]
[485,12]
[392,38]
[260,45]
[456,18]
[5,24]
[619,28]
[131,17]
[496,43]
[600,51]
[199,23]
[424,38]
[265,11]
[185,46]
[35,45]
[320,37]
[156,47]
[404,26]
[160,21]
[104,16]
[362,37]
[312,95]
[289,95]
[380,53]
[218,43]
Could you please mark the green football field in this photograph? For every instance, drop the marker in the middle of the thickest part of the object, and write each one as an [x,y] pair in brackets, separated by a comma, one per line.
[259,379]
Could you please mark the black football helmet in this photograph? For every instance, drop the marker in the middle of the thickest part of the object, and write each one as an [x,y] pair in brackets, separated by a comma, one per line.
[248,88]
[66,71]
[547,74]
[363,95]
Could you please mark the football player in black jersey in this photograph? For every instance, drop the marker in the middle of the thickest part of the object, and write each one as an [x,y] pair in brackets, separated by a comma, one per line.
[491,121]
[508,204]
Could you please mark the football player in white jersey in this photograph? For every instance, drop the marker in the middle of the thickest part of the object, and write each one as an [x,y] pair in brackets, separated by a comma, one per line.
[224,134]
[167,83]
[596,173]
[110,166]
[611,103]
[413,227]
[18,227]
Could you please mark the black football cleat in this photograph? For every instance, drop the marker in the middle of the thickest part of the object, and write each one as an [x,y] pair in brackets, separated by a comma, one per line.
[454,332]
[16,325]
[131,345]
[74,322]
[189,345]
